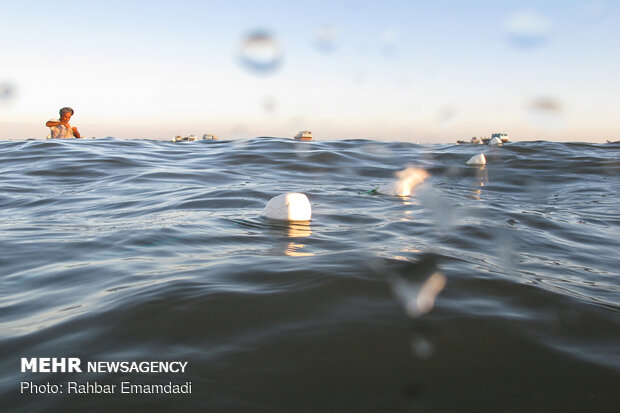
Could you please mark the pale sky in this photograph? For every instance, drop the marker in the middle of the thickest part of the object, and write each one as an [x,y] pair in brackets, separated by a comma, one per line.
[417,71]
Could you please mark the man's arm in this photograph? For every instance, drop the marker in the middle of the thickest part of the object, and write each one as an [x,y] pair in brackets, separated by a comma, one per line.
[51,123]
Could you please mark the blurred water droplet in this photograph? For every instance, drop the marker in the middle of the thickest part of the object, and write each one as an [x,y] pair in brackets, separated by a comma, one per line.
[389,42]
[325,39]
[527,29]
[441,208]
[545,104]
[239,130]
[546,113]
[447,114]
[269,103]
[302,150]
[261,52]
[376,149]
[6,91]
[594,10]
[505,250]
[359,77]
[418,288]
[421,347]
[419,299]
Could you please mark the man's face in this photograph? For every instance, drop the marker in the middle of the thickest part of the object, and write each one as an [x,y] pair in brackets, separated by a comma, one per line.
[66,117]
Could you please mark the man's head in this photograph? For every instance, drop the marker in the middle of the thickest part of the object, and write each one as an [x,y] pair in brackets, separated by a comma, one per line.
[66,113]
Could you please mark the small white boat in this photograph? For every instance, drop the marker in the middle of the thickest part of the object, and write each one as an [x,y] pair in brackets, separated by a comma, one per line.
[501,136]
[209,136]
[473,140]
[190,138]
[304,135]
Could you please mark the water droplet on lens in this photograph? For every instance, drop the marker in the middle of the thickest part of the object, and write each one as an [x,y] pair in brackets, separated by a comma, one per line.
[418,289]
[359,76]
[527,29]
[261,52]
[325,39]
[505,251]
[545,104]
[441,209]
[389,40]
[447,114]
[269,104]
[545,113]
[595,10]
[422,347]
[6,91]
[239,130]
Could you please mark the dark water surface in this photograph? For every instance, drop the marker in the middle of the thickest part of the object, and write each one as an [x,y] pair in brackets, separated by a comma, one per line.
[116,250]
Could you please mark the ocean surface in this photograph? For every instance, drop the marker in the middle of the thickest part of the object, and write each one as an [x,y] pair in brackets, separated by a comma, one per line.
[492,288]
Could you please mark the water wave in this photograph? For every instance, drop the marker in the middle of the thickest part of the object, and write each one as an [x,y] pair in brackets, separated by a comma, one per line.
[149,250]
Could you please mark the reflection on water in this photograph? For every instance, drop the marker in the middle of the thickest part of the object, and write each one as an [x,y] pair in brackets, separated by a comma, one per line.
[482,176]
[299,229]
[293,250]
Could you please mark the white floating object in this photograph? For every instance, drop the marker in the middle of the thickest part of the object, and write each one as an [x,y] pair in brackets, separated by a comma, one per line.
[479,159]
[292,206]
[495,141]
[408,179]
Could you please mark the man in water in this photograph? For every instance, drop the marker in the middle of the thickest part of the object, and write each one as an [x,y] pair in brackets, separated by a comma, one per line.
[60,127]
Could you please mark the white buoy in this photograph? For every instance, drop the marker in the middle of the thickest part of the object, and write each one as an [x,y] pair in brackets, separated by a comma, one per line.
[408,179]
[479,159]
[495,141]
[292,206]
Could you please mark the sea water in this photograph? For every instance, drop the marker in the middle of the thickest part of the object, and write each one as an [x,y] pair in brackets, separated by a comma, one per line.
[490,288]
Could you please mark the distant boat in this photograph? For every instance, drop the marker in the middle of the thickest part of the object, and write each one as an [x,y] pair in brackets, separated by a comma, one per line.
[501,136]
[304,135]
[190,138]
[473,140]
[209,136]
